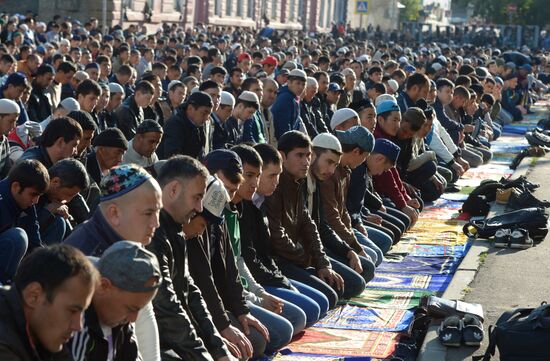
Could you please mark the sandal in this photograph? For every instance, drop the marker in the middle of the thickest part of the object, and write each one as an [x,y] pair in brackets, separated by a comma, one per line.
[450,331]
[472,332]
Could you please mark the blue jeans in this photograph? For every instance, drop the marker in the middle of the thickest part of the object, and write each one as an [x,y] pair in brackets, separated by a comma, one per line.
[371,249]
[55,231]
[366,263]
[309,277]
[354,284]
[497,130]
[314,294]
[13,246]
[307,305]
[381,239]
[280,329]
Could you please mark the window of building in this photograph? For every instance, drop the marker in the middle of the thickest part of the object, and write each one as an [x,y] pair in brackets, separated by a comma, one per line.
[228,7]
[301,9]
[292,10]
[250,11]
[321,21]
[274,9]
[218,7]
[239,8]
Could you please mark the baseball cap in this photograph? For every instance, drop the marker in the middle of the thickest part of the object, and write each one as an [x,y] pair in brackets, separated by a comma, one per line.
[270,60]
[341,115]
[243,56]
[388,148]
[327,141]
[227,98]
[297,73]
[387,106]
[214,201]
[334,87]
[129,266]
[290,65]
[357,135]
[121,180]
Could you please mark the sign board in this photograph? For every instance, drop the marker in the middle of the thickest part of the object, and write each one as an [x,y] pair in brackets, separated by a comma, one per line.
[361,7]
[512,8]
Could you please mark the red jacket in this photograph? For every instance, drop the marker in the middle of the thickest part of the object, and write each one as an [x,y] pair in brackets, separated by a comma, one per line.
[389,183]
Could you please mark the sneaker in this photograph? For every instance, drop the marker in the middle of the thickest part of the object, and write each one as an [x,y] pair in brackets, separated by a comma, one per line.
[519,239]
[452,188]
[450,331]
[502,238]
[503,195]
[472,331]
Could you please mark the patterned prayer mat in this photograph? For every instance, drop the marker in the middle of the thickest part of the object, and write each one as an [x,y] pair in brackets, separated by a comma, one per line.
[421,265]
[412,282]
[442,209]
[447,233]
[381,298]
[291,356]
[426,250]
[350,317]
[327,341]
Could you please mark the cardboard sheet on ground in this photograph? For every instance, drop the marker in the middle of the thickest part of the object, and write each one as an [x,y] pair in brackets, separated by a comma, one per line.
[351,317]
[421,265]
[330,341]
[403,300]
[412,282]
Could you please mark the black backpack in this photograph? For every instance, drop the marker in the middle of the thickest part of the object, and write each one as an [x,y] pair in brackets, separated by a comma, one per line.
[478,201]
[533,220]
[522,334]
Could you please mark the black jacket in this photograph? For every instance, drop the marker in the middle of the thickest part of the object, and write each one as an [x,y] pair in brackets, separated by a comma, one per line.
[256,247]
[128,116]
[181,136]
[38,153]
[213,268]
[90,345]
[39,106]
[14,342]
[181,312]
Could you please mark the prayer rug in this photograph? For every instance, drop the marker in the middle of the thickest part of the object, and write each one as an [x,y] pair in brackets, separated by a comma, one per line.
[403,300]
[413,282]
[460,196]
[291,356]
[425,250]
[350,317]
[447,233]
[421,265]
[441,209]
[327,341]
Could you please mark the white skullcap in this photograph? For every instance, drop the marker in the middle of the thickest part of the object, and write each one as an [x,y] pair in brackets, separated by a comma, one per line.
[115,88]
[384,97]
[70,104]
[8,106]
[227,98]
[341,115]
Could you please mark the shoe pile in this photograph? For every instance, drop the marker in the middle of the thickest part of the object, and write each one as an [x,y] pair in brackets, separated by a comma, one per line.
[538,137]
[534,151]
[455,331]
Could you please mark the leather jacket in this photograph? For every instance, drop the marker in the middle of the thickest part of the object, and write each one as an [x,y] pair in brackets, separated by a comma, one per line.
[294,235]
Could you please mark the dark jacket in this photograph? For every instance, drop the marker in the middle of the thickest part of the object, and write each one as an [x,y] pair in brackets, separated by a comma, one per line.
[181,136]
[14,342]
[286,110]
[294,235]
[331,241]
[222,288]
[324,109]
[181,312]
[92,167]
[453,127]
[13,216]
[38,153]
[90,344]
[221,138]
[256,247]
[94,236]
[39,106]
[404,101]
[128,116]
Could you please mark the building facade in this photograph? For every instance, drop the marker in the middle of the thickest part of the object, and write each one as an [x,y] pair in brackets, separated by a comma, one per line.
[310,15]
[383,13]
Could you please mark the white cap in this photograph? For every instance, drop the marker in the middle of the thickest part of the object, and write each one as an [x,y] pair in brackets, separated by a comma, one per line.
[65,42]
[298,73]
[70,104]
[341,115]
[81,75]
[327,141]
[384,97]
[436,66]
[363,58]
[347,71]
[290,65]
[393,84]
[173,83]
[8,106]
[404,59]
[115,88]
[250,97]
[311,82]
[227,98]
[216,197]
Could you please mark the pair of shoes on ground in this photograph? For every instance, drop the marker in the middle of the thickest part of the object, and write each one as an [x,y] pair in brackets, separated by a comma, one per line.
[455,331]
[517,238]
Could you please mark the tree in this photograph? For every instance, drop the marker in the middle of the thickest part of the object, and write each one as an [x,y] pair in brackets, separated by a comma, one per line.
[411,11]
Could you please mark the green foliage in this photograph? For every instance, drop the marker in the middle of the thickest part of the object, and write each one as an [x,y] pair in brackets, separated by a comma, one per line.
[411,10]
[529,12]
